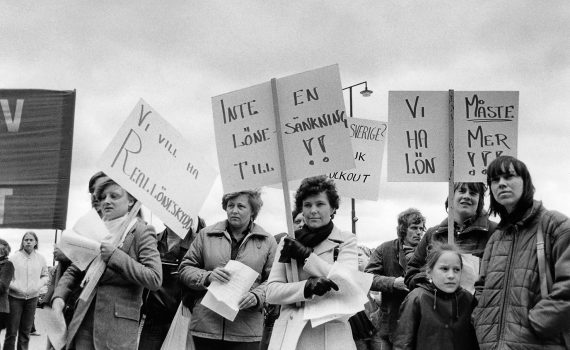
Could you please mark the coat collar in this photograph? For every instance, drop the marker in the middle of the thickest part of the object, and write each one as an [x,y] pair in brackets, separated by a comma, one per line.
[219,228]
[333,240]
[480,224]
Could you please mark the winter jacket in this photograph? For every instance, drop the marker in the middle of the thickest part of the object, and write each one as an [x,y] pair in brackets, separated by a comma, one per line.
[30,274]
[211,249]
[511,313]
[115,304]
[471,240]
[291,331]
[6,275]
[387,262]
[432,319]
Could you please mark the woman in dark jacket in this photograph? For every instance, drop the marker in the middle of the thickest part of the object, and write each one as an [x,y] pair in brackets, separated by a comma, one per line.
[472,229]
[6,275]
[511,313]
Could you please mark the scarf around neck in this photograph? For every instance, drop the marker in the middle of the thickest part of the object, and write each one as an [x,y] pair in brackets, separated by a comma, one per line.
[312,237]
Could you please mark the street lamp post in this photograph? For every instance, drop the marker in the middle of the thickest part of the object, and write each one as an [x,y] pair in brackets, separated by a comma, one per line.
[364,93]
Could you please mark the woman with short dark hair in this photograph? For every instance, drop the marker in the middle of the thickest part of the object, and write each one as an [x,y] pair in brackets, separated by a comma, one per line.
[236,238]
[511,312]
[316,247]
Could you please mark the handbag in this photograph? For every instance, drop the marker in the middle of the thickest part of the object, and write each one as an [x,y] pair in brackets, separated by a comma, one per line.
[544,275]
[362,327]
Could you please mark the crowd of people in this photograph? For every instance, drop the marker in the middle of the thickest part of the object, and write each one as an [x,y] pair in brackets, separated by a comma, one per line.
[487,290]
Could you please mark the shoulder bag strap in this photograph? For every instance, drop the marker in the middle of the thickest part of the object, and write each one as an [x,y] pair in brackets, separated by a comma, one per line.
[540,255]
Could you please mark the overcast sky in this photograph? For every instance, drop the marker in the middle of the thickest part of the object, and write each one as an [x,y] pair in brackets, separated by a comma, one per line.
[178,56]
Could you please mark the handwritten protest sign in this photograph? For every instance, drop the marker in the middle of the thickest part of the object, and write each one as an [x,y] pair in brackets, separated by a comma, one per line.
[418,142]
[485,127]
[368,139]
[152,161]
[313,120]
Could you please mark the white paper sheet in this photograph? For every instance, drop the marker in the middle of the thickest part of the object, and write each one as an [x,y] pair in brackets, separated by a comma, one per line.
[348,300]
[55,327]
[79,249]
[230,293]
[219,307]
[91,226]
[470,272]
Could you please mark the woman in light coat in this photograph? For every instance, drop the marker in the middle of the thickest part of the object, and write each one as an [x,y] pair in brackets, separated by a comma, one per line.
[30,275]
[316,247]
[237,238]
[109,318]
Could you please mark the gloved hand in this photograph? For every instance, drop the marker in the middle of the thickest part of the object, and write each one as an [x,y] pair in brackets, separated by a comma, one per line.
[293,249]
[318,286]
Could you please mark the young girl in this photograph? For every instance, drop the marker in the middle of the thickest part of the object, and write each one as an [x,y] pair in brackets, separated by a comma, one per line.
[438,315]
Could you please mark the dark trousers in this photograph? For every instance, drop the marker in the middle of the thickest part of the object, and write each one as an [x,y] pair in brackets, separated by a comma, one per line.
[153,334]
[22,313]
[213,344]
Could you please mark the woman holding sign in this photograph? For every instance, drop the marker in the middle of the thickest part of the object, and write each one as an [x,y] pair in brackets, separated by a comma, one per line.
[511,311]
[237,238]
[316,246]
[472,229]
[109,318]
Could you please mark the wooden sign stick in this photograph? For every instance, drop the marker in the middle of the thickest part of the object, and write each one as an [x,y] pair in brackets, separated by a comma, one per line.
[292,272]
[450,218]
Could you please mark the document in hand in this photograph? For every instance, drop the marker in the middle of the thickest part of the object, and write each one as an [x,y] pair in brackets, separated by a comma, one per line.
[79,249]
[223,298]
[55,327]
[470,272]
[91,226]
[353,287]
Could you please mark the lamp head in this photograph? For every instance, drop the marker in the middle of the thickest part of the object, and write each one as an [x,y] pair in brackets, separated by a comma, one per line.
[366,92]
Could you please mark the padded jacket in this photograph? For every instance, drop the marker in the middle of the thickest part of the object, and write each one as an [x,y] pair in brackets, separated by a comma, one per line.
[511,313]
[432,319]
[211,249]
[472,240]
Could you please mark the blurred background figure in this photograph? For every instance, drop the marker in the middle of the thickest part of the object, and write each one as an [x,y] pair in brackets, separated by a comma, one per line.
[6,275]
[30,275]
[159,307]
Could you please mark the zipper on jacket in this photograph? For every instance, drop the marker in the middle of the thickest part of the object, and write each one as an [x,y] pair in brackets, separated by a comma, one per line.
[223,327]
[506,284]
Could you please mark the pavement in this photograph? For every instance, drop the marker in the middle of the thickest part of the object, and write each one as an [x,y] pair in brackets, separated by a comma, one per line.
[36,342]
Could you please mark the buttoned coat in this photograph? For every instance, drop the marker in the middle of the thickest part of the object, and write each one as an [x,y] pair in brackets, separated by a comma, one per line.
[290,331]
[211,249]
[388,262]
[118,296]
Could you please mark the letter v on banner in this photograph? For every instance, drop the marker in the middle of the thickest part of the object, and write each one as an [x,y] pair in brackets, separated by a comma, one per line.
[12,123]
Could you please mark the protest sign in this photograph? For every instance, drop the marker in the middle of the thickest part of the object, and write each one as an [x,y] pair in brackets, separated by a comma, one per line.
[313,123]
[418,142]
[368,139]
[151,160]
[485,127]
[36,138]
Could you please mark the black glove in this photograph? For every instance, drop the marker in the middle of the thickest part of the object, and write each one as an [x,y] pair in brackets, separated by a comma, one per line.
[293,249]
[318,286]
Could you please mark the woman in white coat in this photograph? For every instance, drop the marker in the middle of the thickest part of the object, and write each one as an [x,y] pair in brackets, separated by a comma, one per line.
[316,246]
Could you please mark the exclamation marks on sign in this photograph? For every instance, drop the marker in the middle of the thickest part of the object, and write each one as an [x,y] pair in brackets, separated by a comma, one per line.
[309,147]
